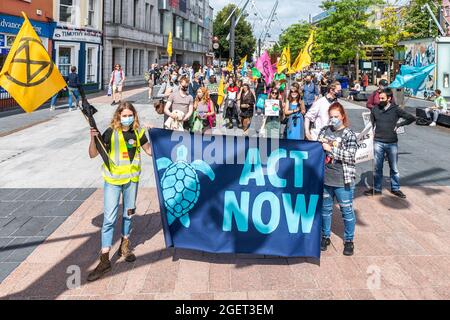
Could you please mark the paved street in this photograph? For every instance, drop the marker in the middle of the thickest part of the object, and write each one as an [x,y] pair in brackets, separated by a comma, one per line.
[51,213]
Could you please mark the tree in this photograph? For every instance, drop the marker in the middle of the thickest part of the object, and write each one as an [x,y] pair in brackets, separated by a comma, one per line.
[296,36]
[418,23]
[392,31]
[244,39]
[340,37]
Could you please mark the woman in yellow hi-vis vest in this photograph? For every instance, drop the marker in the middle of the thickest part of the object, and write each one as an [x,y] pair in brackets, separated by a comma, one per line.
[124,140]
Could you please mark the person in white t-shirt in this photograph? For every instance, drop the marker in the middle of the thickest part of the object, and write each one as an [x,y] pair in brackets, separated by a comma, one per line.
[318,114]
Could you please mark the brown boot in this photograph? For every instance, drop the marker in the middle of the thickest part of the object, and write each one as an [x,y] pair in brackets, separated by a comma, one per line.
[125,251]
[103,267]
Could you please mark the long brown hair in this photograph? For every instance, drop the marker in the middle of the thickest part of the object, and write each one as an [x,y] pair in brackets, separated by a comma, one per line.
[115,122]
[205,97]
[339,107]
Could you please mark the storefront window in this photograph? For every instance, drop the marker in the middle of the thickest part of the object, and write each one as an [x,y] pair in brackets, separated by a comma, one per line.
[65,11]
[64,61]
[90,72]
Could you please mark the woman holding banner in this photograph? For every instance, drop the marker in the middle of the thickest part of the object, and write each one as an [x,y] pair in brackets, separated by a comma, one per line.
[294,111]
[124,140]
[340,145]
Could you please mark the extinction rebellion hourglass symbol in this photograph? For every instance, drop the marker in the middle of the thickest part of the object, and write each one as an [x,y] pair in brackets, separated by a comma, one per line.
[35,69]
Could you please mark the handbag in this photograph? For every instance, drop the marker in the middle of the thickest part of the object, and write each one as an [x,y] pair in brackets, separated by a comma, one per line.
[109,91]
[261,101]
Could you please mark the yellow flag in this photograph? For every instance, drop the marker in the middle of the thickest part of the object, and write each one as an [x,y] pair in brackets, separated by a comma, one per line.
[169,45]
[221,91]
[304,58]
[230,66]
[29,74]
[243,60]
[285,60]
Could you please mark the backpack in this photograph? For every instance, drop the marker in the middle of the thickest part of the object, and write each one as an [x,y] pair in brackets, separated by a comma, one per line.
[423,122]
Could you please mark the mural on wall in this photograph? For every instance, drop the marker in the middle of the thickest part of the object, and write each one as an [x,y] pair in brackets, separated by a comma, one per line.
[418,55]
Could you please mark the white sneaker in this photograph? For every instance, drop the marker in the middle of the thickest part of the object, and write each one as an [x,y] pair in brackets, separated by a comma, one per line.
[52,108]
[70,109]
[433,124]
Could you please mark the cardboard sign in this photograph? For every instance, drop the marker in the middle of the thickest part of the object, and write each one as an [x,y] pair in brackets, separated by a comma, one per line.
[272,108]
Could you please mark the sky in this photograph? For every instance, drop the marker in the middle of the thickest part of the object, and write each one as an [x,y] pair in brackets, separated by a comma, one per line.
[288,12]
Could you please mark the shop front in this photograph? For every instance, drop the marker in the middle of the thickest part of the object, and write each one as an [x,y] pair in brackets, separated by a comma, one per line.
[9,28]
[81,48]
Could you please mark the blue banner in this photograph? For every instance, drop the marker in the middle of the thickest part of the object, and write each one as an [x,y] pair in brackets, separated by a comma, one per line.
[227,194]
[12,24]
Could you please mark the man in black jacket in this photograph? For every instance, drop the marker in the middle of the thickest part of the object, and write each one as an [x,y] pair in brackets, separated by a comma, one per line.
[73,83]
[385,119]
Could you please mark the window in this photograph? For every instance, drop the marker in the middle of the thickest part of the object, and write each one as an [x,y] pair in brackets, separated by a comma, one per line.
[135,62]
[147,17]
[187,30]
[135,11]
[91,13]
[166,23]
[65,11]
[194,32]
[129,62]
[179,27]
[200,35]
[65,60]
[141,61]
[91,65]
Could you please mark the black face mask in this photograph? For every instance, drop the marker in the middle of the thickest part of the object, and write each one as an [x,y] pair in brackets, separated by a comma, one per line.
[184,88]
[331,100]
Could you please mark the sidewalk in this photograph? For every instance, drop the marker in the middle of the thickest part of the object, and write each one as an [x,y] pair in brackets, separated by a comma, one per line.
[403,242]
[16,120]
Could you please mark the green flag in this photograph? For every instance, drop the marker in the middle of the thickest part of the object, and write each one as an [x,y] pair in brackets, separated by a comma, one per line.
[256,73]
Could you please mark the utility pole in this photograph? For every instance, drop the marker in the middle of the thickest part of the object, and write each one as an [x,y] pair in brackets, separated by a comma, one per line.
[232,36]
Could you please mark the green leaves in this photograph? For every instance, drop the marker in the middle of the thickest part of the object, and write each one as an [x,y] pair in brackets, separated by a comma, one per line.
[245,42]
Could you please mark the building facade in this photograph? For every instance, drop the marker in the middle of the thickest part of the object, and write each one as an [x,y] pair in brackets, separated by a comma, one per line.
[136,34]
[40,13]
[77,39]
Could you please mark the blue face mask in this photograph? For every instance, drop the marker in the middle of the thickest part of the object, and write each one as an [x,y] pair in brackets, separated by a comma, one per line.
[335,123]
[126,122]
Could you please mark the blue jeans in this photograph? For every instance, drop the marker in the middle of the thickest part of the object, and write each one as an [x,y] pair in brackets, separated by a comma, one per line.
[76,93]
[54,98]
[391,150]
[344,197]
[111,207]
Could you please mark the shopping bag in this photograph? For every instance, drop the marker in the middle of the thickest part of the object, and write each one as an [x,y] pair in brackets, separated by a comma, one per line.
[109,91]
[261,100]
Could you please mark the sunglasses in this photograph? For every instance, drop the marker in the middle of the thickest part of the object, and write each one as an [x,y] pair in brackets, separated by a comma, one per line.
[274,92]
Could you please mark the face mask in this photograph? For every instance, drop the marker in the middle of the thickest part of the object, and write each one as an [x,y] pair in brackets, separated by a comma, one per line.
[331,100]
[184,88]
[174,78]
[383,104]
[126,122]
[335,123]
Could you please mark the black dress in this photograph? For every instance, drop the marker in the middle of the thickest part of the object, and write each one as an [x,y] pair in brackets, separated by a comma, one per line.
[247,99]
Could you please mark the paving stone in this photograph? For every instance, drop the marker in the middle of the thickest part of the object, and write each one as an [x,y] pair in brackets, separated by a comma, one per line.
[25,246]
[33,226]
[32,194]
[12,225]
[6,268]
[7,208]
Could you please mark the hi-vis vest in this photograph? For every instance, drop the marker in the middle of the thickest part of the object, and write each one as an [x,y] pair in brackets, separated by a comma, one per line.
[123,170]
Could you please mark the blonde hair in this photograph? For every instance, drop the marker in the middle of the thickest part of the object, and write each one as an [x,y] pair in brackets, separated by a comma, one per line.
[205,98]
[115,122]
